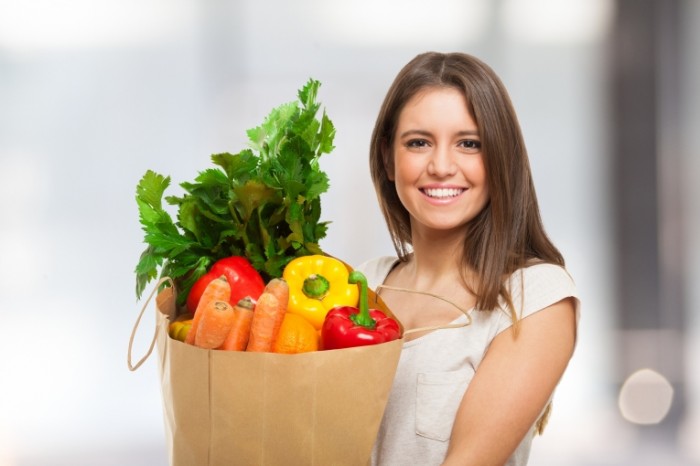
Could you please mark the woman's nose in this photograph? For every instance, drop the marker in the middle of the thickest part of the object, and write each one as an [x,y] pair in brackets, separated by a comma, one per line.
[442,163]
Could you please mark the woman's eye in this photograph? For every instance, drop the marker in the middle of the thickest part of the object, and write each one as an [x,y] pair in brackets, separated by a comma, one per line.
[417,143]
[471,145]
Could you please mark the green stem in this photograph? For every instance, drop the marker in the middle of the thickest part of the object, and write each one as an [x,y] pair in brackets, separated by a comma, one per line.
[362,318]
[316,286]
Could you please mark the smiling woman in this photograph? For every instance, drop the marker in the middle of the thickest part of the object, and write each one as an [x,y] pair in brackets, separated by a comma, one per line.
[453,179]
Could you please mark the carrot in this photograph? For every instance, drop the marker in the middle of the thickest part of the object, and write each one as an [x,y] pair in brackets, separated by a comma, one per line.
[217,290]
[214,324]
[238,336]
[267,317]
[279,287]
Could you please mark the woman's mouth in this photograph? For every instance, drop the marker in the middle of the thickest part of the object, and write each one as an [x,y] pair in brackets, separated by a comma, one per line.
[442,193]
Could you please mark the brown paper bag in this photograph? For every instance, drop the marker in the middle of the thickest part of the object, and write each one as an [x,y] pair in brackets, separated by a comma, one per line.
[236,408]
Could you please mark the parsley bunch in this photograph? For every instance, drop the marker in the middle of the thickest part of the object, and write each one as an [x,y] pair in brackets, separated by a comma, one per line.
[262,203]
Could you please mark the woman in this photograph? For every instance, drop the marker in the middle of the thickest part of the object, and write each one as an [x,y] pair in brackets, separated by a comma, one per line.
[453,180]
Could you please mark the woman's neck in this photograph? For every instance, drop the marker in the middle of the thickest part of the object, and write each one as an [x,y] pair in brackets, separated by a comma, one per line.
[435,262]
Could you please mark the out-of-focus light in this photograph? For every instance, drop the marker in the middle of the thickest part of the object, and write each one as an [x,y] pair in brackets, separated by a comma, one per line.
[441,23]
[557,22]
[50,24]
[645,397]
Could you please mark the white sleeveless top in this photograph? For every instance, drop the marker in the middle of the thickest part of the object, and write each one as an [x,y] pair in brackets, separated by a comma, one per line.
[434,370]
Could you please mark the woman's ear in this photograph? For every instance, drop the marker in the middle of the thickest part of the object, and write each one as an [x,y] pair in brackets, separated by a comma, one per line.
[388,161]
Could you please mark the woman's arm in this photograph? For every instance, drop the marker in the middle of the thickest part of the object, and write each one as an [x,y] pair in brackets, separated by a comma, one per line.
[512,386]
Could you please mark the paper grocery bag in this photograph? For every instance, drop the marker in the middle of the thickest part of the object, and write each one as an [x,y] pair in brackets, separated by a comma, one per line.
[236,408]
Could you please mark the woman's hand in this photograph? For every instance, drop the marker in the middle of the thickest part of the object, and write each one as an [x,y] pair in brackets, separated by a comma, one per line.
[512,386]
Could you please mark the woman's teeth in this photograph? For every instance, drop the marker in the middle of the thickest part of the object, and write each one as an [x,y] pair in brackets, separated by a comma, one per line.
[443,193]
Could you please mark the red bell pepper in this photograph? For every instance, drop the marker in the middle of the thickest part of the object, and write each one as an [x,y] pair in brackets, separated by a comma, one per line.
[242,277]
[347,326]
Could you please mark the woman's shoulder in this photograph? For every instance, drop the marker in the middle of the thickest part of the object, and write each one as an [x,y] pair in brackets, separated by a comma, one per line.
[377,269]
[540,285]
[543,272]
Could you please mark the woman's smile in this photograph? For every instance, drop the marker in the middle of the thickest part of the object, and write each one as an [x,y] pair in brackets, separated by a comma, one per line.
[442,193]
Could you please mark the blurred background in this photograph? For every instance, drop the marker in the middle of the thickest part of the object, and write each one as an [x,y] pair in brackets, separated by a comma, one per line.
[95,92]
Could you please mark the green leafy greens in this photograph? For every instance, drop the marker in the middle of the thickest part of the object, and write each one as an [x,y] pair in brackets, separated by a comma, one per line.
[262,203]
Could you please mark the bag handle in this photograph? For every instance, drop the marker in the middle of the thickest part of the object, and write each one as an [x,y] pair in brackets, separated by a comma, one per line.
[133,367]
[442,298]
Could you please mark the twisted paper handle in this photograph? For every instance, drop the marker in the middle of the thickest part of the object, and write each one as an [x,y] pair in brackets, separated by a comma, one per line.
[442,298]
[133,367]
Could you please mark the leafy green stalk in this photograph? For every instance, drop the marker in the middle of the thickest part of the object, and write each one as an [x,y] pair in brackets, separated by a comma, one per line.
[262,203]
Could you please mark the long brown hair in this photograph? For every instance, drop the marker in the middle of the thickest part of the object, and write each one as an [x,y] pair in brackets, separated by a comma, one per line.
[508,233]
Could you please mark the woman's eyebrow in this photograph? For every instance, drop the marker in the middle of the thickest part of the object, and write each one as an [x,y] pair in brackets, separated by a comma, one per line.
[422,132]
[415,132]
[468,132]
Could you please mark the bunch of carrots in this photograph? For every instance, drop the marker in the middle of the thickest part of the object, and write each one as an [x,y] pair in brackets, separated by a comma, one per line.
[246,326]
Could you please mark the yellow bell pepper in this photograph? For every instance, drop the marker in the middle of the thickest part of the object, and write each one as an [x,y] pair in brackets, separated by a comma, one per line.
[178,330]
[317,284]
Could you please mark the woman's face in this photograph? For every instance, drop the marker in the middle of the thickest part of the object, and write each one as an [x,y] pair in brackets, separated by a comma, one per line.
[437,163]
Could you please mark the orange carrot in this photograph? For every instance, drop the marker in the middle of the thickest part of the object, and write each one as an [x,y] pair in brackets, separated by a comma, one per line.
[217,290]
[214,324]
[267,319]
[238,336]
[280,288]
